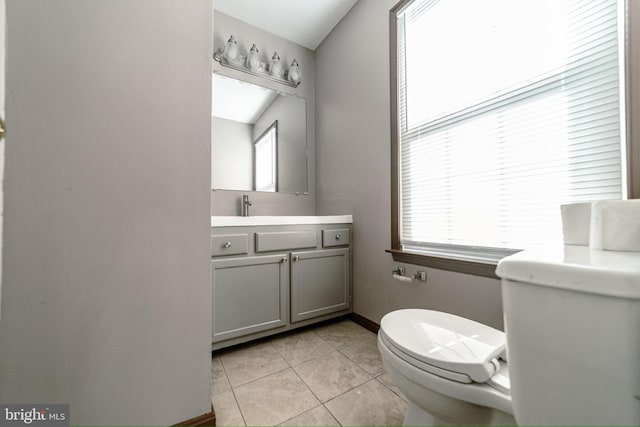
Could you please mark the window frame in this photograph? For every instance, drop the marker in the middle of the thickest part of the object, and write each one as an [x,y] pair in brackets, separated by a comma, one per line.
[486,266]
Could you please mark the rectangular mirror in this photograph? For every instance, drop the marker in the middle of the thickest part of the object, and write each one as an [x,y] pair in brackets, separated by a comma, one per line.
[259,138]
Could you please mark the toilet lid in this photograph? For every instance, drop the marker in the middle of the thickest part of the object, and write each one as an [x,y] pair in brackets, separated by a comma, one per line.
[446,341]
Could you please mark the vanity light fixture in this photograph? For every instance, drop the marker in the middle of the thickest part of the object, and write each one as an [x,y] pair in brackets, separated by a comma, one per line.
[230,56]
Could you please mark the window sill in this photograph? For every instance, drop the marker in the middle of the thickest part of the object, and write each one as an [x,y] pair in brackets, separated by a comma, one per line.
[467,265]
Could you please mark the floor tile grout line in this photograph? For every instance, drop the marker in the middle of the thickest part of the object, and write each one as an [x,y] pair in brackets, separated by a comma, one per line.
[314,357]
[335,350]
[238,403]
[324,340]
[307,386]
[239,407]
[387,387]
[357,342]
[223,371]
[270,344]
[233,392]
[347,391]
[308,410]
[366,382]
[331,413]
[358,364]
[261,378]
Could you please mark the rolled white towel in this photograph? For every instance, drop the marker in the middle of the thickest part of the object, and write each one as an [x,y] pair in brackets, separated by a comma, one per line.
[576,219]
[615,225]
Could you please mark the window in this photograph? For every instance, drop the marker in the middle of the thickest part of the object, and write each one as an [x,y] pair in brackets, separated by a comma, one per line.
[266,160]
[502,110]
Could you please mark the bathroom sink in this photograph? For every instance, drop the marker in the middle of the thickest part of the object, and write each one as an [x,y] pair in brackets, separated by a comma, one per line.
[239,221]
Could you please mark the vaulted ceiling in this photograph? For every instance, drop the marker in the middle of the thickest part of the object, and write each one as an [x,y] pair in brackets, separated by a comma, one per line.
[305,22]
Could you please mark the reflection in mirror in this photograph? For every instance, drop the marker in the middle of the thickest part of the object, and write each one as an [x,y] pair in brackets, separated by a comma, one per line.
[266,160]
[259,138]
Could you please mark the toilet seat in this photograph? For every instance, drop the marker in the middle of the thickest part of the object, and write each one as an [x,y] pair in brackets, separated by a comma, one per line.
[446,345]
[483,394]
[446,354]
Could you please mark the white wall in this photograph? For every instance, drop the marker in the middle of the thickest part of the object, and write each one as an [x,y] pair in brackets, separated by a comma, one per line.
[228,202]
[353,172]
[106,295]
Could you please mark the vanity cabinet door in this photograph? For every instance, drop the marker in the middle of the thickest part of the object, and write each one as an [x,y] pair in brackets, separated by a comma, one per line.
[319,283]
[250,294]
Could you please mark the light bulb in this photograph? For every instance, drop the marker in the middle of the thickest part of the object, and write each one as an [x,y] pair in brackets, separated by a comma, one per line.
[253,59]
[231,49]
[294,72]
[275,68]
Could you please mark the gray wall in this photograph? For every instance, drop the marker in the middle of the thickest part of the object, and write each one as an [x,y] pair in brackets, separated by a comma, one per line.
[3,23]
[228,202]
[233,142]
[106,293]
[290,113]
[353,172]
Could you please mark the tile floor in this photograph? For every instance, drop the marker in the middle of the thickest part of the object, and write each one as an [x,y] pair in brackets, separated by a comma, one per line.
[329,375]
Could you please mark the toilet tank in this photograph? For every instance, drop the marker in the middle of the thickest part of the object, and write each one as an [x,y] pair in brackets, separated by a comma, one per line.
[572,318]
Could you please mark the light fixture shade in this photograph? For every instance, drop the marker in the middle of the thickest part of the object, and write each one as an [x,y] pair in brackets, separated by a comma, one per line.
[231,49]
[294,72]
[275,68]
[253,59]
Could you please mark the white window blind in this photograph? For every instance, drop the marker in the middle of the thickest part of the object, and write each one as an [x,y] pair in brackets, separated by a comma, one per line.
[507,109]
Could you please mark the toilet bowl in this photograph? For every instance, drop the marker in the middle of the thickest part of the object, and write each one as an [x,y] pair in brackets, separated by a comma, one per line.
[452,370]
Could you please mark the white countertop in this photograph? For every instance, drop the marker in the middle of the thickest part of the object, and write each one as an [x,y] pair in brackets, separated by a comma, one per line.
[239,221]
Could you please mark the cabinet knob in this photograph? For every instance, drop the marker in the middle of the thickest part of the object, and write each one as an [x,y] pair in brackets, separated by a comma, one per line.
[338,236]
[227,245]
[296,258]
[283,259]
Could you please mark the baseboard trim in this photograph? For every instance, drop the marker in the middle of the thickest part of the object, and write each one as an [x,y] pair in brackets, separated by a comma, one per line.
[364,322]
[208,419]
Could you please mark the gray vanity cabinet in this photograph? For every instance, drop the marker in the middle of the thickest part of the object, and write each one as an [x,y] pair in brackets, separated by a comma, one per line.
[250,294]
[319,283]
[269,279]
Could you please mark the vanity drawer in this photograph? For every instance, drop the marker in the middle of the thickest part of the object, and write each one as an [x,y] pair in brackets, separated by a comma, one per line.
[335,237]
[229,244]
[284,240]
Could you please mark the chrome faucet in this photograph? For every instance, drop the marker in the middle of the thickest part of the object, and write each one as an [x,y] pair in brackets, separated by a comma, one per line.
[245,205]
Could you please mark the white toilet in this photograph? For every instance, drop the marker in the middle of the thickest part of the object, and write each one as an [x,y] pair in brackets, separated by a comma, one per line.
[572,320]
[450,368]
